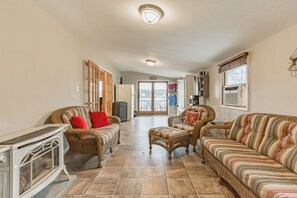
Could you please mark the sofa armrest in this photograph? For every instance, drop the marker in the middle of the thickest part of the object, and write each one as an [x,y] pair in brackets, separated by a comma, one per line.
[206,128]
[175,119]
[114,119]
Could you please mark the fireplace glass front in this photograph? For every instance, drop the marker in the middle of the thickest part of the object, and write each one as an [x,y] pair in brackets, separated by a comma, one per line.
[37,164]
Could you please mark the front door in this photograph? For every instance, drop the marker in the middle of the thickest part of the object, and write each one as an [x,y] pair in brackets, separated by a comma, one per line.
[152,97]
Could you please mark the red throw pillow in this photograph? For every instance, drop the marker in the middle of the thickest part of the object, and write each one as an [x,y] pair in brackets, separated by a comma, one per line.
[99,119]
[192,117]
[79,122]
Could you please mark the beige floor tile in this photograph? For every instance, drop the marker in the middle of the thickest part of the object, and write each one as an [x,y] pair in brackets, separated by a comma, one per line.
[206,186]
[123,147]
[183,196]
[120,153]
[79,186]
[191,160]
[71,196]
[132,171]
[154,161]
[103,186]
[128,186]
[175,172]
[198,171]
[212,196]
[135,161]
[88,173]
[154,196]
[154,172]
[141,154]
[173,162]
[110,171]
[116,161]
[97,196]
[153,186]
[180,186]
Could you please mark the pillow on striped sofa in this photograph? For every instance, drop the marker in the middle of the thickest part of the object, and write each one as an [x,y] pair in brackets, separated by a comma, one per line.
[280,142]
[249,129]
[76,111]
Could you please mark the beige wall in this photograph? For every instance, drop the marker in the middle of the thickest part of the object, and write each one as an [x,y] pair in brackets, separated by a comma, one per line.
[271,88]
[41,65]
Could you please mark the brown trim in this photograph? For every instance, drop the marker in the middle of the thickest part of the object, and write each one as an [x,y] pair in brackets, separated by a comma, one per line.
[152,112]
[233,62]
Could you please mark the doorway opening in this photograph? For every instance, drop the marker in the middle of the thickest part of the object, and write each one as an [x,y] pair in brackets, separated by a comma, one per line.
[152,97]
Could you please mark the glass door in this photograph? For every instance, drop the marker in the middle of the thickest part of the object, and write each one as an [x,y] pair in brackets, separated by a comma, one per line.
[152,97]
[160,97]
[145,101]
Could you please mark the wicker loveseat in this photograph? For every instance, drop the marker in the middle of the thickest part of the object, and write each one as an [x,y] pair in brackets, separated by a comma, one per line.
[207,114]
[89,141]
[259,155]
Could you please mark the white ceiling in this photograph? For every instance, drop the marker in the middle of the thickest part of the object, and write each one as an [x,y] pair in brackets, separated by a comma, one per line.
[192,34]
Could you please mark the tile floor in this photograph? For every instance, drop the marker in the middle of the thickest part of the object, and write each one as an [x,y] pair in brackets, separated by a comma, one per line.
[131,171]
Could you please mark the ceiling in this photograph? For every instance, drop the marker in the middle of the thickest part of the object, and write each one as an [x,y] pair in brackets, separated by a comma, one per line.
[192,34]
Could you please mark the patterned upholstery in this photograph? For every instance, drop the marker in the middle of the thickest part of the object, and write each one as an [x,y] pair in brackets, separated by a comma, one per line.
[168,132]
[203,112]
[280,142]
[265,176]
[249,129]
[106,133]
[184,126]
[76,111]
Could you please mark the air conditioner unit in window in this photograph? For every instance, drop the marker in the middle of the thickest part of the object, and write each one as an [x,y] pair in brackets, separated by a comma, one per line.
[235,95]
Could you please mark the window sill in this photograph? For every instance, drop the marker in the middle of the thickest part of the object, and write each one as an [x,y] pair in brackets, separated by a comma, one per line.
[235,108]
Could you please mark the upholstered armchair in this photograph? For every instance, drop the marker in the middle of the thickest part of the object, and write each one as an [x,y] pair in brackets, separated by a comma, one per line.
[206,114]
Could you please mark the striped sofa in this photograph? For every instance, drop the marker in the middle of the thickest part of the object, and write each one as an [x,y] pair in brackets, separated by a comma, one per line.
[258,157]
[90,141]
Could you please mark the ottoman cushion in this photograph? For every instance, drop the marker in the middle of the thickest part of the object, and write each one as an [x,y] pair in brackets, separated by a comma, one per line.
[168,132]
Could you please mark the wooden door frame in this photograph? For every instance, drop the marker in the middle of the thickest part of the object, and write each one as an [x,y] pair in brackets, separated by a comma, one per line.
[153,90]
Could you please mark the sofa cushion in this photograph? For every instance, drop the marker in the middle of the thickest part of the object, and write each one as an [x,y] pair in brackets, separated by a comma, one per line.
[192,117]
[168,132]
[184,126]
[249,129]
[99,119]
[106,133]
[280,142]
[76,111]
[79,122]
[203,112]
[265,176]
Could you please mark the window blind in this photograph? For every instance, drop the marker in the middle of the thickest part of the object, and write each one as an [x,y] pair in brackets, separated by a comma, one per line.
[234,62]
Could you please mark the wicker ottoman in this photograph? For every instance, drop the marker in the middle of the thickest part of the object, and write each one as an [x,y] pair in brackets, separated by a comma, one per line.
[169,138]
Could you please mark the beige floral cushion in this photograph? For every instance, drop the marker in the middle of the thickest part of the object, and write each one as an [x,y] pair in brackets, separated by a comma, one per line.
[184,126]
[168,132]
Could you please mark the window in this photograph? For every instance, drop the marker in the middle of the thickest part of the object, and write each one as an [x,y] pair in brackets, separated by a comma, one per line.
[236,76]
[235,84]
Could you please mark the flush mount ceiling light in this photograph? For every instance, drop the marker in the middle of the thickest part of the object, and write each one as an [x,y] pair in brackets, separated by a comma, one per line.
[150,13]
[150,62]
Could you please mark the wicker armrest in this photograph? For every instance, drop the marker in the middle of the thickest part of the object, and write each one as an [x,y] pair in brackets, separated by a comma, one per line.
[172,118]
[114,119]
[206,128]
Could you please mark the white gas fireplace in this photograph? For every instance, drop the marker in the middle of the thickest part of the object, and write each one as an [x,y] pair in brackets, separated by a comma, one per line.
[36,159]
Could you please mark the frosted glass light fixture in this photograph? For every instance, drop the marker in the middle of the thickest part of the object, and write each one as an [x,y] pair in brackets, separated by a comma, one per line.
[150,13]
[150,62]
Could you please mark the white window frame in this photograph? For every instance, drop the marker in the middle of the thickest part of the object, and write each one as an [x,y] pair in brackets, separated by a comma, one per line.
[223,80]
